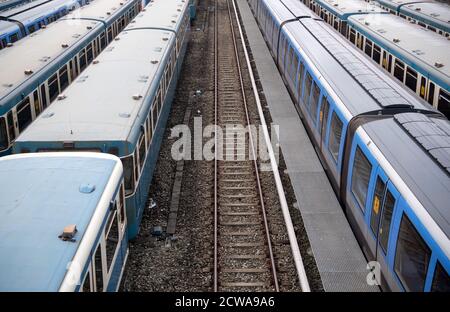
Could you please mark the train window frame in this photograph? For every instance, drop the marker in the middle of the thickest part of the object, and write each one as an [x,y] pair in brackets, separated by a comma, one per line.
[411,78]
[154,117]
[122,214]
[87,278]
[4,139]
[300,73]
[399,70]
[36,103]
[149,130]
[307,89]
[431,91]
[444,99]
[376,53]
[142,150]
[128,174]
[112,228]
[63,77]
[53,87]
[11,126]
[368,47]
[315,98]
[43,91]
[323,117]
[136,166]
[360,180]
[82,60]
[24,114]
[97,259]
[334,148]
[294,66]
[439,268]
[401,253]
[386,216]
[377,204]
[352,35]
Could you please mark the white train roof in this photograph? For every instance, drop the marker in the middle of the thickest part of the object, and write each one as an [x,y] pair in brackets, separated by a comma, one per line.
[350,6]
[434,11]
[424,47]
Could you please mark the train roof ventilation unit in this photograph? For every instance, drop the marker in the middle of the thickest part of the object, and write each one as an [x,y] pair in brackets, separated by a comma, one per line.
[438,65]
[68,233]
[433,134]
[87,188]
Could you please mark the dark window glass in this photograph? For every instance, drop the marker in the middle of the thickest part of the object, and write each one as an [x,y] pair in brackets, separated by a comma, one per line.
[24,114]
[11,128]
[112,237]
[411,257]
[368,47]
[441,280]
[31,29]
[13,38]
[154,116]
[315,102]
[308,83]
[103,41]
[63,77]
[82,58]
[324,115]
[335,136]
[89,54]
[53,88]
[110,35]
[128,173]
[399,70]
[3,134]
[386,218]
[142,150]
[411,78]
[444,103]
[294,66]
[43,96]
[122,205]
[37,108]
[98,269]
[361,177]
[352,36]
[376,53]
[87,283]
[149,130]
[431,93]
[376,205]
[300,79]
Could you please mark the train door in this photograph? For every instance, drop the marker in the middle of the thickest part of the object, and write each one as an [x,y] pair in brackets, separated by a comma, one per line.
[385,239]
[44,95]
[423,86]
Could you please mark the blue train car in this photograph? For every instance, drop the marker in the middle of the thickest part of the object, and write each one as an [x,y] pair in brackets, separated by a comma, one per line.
[384,150]
[24,20]
[37,68]
[134,82]
[430,14]
[63,224]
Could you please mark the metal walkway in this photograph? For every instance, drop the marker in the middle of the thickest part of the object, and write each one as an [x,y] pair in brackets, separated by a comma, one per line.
[340,261]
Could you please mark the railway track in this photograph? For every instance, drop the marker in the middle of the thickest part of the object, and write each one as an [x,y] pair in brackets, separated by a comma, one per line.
[243,254]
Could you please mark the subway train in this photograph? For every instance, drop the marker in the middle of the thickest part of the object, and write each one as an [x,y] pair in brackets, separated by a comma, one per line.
[19,22]
[8,4]
[63,224]
[432,15]
[120,104]
[36,69]
[417,57]
[385,150]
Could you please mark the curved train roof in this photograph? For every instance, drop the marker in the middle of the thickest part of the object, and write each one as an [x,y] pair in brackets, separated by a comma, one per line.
[394,4]
[26,6]
[40,197]
[420,48]
[8,4]
[42,48]
[104,103]
[434,13]
[418,148]
[41,10]
[344,8]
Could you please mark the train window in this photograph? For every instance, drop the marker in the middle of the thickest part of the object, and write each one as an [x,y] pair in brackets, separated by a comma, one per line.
[53,88]
[441,280]
[294,67]
[386,218]
[11,128]
[300,79]
[154,116]
[314,102]
[31,29]
[335,136]
[431,93]
[368,47]
[323,116]
[43,96]
[352,36]
[82,58]
[122,205]
[110,35]
[376,53]
[3,134]
[289,61]
[102,41]
[4,42]
[89,53]
[13,38]
[87,283]
[135,164]
[423,83]
[376,205]
[307,90]
[142,150]
[411,257]
[24,116]
[361,177]
[98,269]
[37,108]
[63,77]
[399,70]
[149,130]
[444,103]
[128,174]
[112,237]
[411,78]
